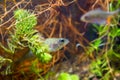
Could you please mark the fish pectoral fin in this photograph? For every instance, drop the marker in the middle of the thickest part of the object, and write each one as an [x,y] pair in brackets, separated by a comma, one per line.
[109,20]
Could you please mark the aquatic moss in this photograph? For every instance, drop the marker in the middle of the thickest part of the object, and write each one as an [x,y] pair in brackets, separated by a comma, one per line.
[24,35]
[23,29]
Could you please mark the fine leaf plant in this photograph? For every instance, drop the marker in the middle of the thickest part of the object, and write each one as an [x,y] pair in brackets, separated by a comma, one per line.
[107,56]
[23,35]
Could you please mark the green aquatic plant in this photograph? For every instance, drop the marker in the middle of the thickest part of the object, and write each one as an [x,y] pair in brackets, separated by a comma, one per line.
[6,63]
[94,46]
[23,29]
[67,76]
[45,57]
[107,56]
[100,67]
[23,35]
[34,68]
[26,36]
[64,76]
[74,77]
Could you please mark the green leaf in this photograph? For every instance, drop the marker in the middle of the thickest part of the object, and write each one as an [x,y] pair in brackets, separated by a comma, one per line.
[74,77]
[64,76]
[96,43]
[45,57]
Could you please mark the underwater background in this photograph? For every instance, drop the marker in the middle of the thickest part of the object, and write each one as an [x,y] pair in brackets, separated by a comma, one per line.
[46,40]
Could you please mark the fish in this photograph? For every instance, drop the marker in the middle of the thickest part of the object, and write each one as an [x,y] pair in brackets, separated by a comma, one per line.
[55,44]
[99,16]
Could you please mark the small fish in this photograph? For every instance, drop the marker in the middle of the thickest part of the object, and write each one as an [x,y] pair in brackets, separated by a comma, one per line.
[99,16]
[56,43]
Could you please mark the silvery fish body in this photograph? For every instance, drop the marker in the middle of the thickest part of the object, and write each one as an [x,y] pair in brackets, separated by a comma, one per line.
[55,44]
[98,16]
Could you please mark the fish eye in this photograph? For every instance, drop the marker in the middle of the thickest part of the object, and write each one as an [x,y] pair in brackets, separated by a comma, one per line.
[62,40]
